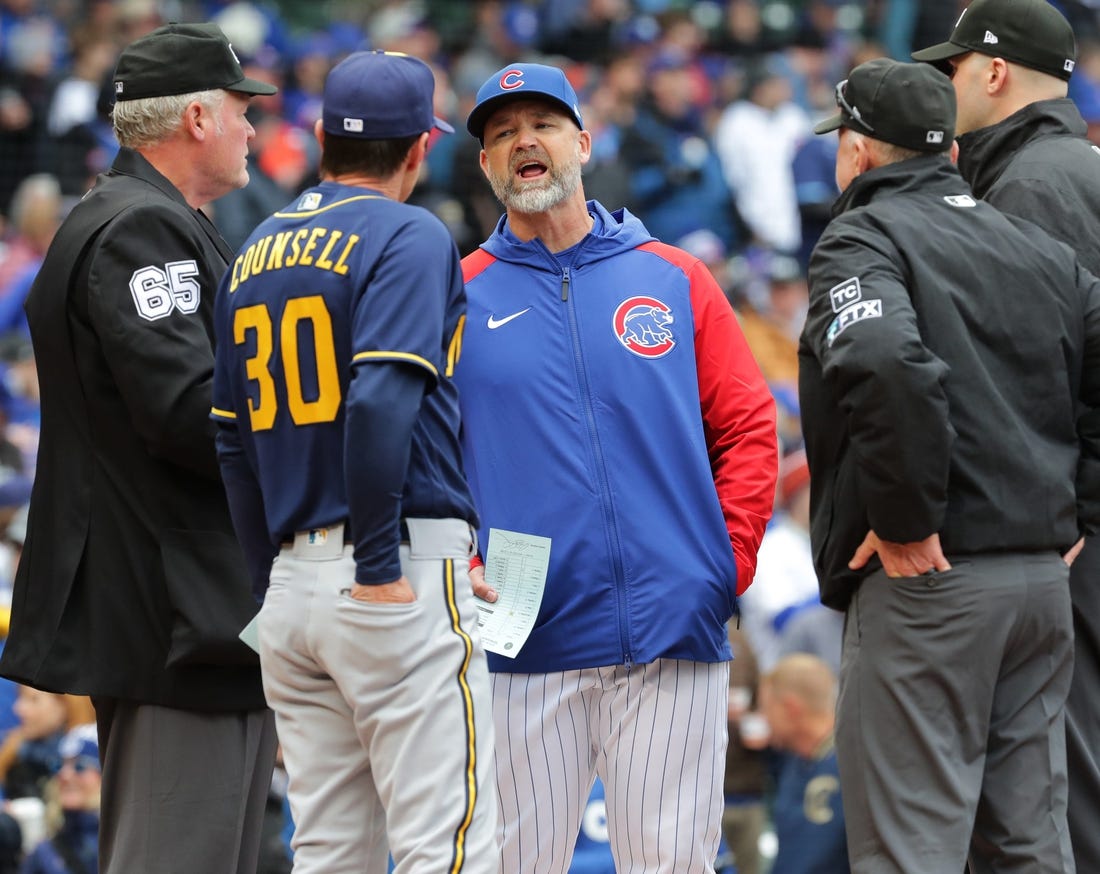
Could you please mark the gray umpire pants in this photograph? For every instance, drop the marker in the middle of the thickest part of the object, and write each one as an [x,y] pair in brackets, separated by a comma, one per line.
[1083,710]
[951,719]
[183,791]
[383,710]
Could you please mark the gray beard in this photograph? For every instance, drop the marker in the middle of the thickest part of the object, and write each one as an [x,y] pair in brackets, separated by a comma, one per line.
[529,199]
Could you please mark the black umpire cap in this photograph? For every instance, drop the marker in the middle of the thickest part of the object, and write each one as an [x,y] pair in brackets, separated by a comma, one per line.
[181,59]
[1031,33]
[908,105]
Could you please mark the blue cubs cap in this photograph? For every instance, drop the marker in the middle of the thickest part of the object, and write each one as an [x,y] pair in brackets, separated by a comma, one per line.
[523,81]
[380,96]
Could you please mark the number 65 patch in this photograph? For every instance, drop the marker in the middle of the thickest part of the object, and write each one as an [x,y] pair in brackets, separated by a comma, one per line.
[159,290]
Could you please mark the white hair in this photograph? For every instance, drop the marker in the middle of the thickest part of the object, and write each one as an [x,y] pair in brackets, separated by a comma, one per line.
[150,120]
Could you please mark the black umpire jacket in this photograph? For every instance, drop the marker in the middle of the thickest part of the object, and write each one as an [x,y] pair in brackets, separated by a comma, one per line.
[945,354]
[131,584]
[1038,164]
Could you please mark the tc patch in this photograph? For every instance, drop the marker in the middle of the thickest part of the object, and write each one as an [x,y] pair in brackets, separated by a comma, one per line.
[844,293]
[642,325]
[857,312]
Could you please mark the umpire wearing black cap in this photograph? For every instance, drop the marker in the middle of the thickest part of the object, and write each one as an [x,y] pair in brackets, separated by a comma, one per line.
[1023,147]
[132,588]
[947,354]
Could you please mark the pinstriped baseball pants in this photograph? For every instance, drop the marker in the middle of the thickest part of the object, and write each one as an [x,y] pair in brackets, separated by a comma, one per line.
[382,710]
[655,734]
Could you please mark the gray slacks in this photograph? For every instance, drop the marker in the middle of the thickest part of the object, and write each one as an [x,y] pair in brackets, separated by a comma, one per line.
[951,718]
[183,791]
[1083,710]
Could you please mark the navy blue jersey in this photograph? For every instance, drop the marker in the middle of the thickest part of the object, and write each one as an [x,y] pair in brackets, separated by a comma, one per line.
[342,279]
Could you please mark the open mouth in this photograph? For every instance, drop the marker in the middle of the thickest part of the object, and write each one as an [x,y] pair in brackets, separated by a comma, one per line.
[531,170]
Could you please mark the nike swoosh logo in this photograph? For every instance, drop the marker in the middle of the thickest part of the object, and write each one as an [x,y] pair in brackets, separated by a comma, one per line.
[495,323]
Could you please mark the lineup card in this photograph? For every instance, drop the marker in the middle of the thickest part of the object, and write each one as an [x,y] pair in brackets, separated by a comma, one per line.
[515,565]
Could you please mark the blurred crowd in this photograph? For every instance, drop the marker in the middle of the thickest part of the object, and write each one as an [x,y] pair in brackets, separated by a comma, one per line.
[701,114]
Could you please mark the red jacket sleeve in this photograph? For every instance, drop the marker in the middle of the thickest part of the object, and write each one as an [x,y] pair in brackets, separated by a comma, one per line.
[738,415]
[738,419]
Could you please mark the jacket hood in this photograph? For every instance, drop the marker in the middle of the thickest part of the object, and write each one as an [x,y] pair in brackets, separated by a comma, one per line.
[985,153]
[614,232]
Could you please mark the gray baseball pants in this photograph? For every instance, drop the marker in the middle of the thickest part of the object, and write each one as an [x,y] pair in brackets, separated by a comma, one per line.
[383,710]
[951,718]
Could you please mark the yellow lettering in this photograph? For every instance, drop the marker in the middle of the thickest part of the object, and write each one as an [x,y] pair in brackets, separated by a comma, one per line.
[322,260]
[233,280]
[246,262]
[341,265]
[261,254]
[278,247]
[295,246]
[306,258]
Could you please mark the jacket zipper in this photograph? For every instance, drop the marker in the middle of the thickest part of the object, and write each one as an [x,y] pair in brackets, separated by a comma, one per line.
[601,472]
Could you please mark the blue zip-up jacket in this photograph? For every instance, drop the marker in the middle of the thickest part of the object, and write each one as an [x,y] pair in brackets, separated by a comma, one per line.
[611,404]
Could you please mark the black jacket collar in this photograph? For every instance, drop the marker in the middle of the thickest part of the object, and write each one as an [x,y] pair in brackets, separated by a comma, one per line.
[985,153]
[925,174]
[129,162]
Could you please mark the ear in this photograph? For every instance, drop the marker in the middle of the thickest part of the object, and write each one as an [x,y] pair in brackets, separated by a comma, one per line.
[483,160]
[863,154]
[585,147]
[996,76]
[197,121]
[954,155]
[418,152]
[319,132]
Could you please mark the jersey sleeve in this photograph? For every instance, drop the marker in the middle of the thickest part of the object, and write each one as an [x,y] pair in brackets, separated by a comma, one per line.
[862,329]
[398,320]
[223,406]
[400,315]
[148,281]
[738,419]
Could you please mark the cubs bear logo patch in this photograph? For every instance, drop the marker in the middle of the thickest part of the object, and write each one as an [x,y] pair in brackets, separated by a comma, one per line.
[643,325]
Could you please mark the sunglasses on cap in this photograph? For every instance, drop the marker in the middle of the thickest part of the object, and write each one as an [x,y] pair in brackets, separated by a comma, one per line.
[852,111]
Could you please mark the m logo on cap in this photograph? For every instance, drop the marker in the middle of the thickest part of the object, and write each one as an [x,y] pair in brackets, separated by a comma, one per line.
[511,80]
[353,125]
[934,136]
[990,38]
[1069,65]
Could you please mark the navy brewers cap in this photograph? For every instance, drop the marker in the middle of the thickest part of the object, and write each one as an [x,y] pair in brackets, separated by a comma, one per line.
[1031,33]
[380,96]
[181,59]
[909,105]
[522,81]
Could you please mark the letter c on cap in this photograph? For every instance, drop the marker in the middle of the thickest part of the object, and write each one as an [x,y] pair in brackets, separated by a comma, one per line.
[511,79]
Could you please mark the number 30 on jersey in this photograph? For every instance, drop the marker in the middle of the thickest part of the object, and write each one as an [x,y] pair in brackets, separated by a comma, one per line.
[257,319]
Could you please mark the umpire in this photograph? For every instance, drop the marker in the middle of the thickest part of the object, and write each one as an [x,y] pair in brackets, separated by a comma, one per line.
[1023,148]
[946,353]
[131,587]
